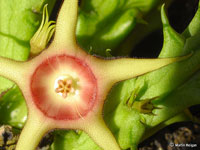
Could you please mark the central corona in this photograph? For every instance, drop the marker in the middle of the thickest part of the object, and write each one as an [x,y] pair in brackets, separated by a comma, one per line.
[64,87]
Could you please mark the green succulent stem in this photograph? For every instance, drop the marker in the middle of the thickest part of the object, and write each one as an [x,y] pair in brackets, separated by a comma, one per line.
[180,117]
[193,28]
[172,39]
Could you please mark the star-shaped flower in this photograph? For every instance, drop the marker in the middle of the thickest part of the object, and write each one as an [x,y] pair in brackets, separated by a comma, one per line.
[65,88]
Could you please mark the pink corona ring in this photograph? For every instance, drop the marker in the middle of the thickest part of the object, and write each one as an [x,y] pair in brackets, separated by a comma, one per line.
[64,87]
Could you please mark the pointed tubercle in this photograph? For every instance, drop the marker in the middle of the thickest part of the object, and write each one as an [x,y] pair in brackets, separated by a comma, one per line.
[173,42]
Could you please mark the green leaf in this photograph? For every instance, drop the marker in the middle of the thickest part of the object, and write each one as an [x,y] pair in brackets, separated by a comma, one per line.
[181,117]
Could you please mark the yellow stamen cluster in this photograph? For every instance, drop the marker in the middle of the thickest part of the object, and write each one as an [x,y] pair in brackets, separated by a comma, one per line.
[64,87]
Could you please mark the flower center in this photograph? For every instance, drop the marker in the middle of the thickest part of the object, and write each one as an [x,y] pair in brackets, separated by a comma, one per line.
[66,86]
